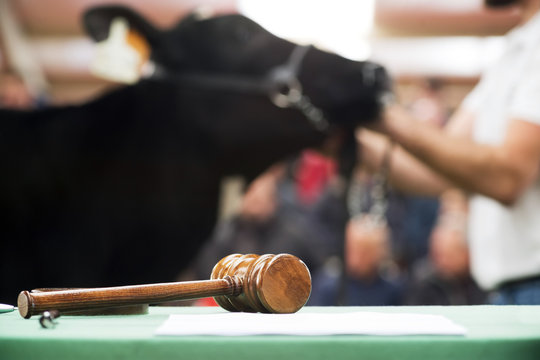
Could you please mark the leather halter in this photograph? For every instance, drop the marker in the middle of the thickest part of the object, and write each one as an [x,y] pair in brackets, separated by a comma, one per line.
[281,85]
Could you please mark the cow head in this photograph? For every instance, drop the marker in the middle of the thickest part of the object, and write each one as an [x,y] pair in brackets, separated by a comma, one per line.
[234,47]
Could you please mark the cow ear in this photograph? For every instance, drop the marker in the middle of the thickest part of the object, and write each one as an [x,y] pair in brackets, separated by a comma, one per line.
[97,23]
[124,42]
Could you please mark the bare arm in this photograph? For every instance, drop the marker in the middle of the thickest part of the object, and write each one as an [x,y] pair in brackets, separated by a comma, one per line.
[436,160]
[408,173]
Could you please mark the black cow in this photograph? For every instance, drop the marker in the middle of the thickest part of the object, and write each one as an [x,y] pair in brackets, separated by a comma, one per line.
[124,189]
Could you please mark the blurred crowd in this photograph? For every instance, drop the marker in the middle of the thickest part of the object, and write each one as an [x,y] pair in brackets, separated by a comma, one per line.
[417,254]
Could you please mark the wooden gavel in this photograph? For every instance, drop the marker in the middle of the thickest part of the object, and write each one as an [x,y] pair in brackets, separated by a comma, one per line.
[251,283]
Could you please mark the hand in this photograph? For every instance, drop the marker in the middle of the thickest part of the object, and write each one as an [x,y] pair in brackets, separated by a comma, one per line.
[260,201]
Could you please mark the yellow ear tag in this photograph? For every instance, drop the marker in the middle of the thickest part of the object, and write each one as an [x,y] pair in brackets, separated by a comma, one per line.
[122,55]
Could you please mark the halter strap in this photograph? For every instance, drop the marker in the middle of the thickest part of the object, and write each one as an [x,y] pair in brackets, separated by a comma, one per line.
[281,85]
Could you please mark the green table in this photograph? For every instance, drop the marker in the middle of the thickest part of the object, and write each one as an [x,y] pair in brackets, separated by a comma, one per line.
[510,332]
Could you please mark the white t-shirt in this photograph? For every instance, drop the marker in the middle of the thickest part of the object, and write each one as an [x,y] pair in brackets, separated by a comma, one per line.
[505,241]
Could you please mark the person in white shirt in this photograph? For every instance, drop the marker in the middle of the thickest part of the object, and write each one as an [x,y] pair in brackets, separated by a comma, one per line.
[491,149]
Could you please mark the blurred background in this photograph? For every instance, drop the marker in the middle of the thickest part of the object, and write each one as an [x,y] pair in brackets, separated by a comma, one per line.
[450,41]
[434,50]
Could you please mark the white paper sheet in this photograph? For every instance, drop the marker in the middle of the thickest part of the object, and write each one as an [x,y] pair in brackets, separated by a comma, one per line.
[363,323]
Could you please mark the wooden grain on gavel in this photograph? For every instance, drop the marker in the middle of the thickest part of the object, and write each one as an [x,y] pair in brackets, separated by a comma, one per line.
[267,283]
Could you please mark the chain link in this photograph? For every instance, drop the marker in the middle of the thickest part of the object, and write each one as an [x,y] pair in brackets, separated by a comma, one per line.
[289,94]
[369,200]
[376,200]
[313,113]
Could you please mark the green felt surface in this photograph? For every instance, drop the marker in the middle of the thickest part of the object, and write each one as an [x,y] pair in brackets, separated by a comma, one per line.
[510,332]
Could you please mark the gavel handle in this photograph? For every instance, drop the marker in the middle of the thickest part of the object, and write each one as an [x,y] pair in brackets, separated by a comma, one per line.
[30,303]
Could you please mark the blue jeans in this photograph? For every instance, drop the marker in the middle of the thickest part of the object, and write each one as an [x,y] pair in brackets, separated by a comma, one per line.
[520,293]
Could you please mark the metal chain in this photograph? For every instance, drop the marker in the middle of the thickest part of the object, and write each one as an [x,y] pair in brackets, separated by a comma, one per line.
[376,200]
[313,113]
[368,199]
[290,95]
[380,199]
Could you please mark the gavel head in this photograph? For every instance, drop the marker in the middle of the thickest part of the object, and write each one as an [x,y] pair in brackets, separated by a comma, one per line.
[270,283]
